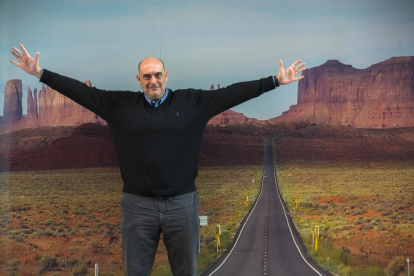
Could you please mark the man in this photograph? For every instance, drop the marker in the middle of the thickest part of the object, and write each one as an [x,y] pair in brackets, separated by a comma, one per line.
[157,136]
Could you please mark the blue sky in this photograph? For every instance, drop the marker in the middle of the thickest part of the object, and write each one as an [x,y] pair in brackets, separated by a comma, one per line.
[201,42]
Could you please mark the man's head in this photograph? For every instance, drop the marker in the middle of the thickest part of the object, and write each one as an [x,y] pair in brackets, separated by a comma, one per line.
[152,77]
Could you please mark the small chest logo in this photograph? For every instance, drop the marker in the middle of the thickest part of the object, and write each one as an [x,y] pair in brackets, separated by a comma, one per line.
[178,114]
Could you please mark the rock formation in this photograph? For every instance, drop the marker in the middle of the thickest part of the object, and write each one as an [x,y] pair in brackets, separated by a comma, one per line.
[49,109]
[12,106]
[32,106]
[230,117]
[56,109]
[380,96]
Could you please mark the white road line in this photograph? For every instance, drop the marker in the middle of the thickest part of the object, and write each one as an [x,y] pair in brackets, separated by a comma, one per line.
[284,211]
[241,231]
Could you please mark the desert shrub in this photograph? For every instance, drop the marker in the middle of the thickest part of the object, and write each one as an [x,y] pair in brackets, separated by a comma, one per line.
[162,270]
[48,232]
[101,224]
[356,213]
[225,239]
[47,263]
[11,274]
[357,221]
[27,231]
[75,231]
[396,266]
[73,262]
[380,227]
[367,227]
[14,263]
[49,222]
[15,232]
[79,270]
[94,244]
[107,233]
[369,271]
[19,238]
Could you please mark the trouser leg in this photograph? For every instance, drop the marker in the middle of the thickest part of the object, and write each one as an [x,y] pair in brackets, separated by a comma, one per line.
[181,233]
[140,233]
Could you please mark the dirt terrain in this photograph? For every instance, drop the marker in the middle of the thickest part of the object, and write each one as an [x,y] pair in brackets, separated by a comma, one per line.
[88,150]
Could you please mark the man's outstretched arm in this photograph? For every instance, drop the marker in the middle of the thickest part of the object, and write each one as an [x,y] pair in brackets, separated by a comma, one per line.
[102,102]
[213,102]
[27,63]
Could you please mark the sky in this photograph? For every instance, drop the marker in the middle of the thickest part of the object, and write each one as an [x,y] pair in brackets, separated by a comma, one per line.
[200,42]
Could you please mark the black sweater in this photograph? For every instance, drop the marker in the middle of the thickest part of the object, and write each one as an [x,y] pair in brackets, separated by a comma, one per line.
[157,147]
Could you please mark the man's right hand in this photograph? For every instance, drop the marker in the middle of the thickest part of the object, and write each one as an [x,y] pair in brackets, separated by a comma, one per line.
[27,63]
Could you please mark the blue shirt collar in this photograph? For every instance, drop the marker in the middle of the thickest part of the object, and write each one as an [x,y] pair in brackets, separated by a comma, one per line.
[157,102]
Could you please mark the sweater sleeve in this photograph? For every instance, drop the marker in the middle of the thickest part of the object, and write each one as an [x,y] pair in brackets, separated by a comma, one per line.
[214,102]
[102,102]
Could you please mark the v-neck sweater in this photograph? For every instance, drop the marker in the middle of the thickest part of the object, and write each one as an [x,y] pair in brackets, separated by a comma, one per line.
[157,148]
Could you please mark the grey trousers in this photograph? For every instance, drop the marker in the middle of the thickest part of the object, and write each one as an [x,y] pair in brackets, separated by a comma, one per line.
[144,218]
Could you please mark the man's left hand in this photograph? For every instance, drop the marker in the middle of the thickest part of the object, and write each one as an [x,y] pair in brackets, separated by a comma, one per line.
[287,75]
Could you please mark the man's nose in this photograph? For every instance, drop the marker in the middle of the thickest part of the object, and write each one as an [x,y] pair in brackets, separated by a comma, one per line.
[153,79]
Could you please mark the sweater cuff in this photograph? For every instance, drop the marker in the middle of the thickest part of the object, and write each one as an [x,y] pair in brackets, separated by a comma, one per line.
[276,81]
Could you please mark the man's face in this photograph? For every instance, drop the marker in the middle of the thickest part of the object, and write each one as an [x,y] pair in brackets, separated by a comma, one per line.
[153,78]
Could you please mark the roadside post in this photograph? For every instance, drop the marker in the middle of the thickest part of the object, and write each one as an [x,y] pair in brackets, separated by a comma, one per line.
[203,222]
[316,236]
[218,233]
[296,203]
[96,269]
[408,267]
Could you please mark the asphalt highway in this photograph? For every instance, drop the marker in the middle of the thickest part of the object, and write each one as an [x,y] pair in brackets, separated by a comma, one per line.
[267,243]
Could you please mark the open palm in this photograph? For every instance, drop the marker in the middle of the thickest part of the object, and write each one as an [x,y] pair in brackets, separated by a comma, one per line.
[27,63]
[287,75]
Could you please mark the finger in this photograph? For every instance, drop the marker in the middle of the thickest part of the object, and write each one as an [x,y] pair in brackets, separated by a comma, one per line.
[24,49]
[36,57]
[15,63]
[15,55]
[295,63]
[303,64]
[296,79]
[17,51]
[298,61]
[300,71]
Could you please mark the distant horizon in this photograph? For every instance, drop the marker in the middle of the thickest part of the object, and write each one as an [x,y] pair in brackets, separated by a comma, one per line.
[201,42]
[25,93]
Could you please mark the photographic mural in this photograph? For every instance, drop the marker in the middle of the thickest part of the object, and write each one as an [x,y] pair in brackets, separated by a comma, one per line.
[341,140]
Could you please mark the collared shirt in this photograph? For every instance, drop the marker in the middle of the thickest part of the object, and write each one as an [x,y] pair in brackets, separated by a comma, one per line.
[156,103]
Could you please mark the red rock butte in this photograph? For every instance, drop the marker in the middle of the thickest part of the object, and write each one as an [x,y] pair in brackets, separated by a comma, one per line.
[380,96]
[50,108]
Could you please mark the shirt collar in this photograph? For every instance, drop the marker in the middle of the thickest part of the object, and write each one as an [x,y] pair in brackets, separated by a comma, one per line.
[157,102]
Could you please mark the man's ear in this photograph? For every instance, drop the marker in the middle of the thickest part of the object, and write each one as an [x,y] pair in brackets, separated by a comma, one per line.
[139,79]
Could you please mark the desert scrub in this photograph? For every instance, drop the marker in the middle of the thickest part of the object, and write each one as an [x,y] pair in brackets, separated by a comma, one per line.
[13,264]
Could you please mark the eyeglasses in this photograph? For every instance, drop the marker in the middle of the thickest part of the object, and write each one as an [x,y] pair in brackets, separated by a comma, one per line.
[157,75]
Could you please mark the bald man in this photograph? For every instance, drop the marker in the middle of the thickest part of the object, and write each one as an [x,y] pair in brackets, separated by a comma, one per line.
[157,136]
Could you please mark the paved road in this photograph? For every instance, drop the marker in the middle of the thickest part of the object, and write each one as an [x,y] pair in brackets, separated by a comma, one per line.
[267,243]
